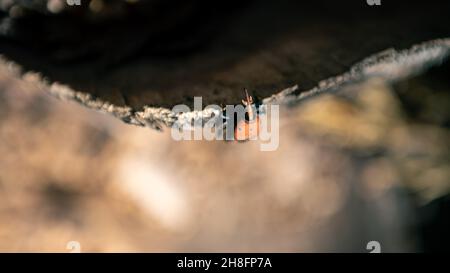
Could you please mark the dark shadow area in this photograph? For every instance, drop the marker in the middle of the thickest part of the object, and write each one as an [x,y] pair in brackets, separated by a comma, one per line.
[435,224]
[426,98]
[162,53]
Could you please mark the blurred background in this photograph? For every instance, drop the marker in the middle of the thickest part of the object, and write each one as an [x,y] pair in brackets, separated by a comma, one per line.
[368,162]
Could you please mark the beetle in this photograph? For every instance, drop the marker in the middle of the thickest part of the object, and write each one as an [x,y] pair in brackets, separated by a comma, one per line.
[247,128]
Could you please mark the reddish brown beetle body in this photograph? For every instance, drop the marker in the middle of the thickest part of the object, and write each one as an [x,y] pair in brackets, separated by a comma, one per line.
[247,129]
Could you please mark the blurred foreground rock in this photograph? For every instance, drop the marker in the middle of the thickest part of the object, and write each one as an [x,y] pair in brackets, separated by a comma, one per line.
[369,162]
